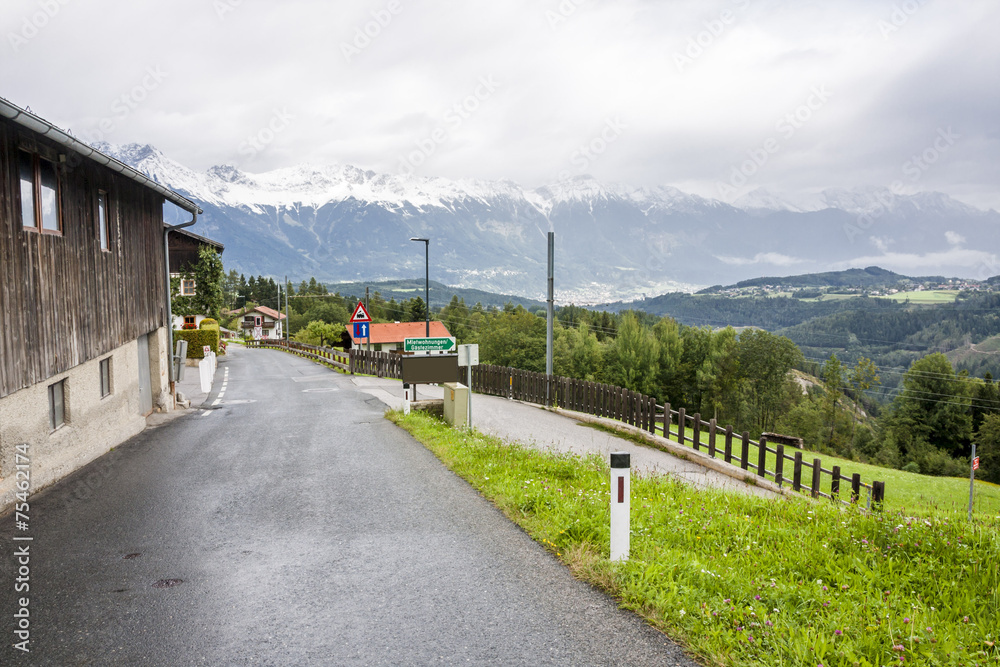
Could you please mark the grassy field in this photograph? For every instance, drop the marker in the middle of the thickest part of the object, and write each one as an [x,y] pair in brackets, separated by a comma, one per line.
[904,491]
[926,296]
[748,581]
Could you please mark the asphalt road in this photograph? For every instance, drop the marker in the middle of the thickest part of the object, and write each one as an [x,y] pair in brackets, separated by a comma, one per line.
[298,527]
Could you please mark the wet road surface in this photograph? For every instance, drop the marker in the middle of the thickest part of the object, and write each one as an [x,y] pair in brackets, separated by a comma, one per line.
[292,525]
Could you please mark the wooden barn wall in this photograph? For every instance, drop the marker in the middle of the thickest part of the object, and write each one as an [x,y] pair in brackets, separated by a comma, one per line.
[63,300]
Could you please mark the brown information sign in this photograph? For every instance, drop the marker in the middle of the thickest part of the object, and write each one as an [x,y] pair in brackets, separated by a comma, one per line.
[434,368]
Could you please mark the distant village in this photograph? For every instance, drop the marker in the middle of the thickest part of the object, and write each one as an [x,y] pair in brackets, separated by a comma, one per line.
[901,289]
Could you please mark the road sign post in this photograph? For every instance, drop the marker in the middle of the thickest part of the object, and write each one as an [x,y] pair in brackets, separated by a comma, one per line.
[442,344]
[468,356]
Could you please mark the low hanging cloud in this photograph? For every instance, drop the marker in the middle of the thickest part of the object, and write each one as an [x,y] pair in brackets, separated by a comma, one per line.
[770,258]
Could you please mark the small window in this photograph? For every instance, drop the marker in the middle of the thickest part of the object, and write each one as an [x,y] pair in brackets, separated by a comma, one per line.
[26,167]
[57,404]
[189,322]
[102,220]
[49,195]
[39,193]
[105,377]
[187,287]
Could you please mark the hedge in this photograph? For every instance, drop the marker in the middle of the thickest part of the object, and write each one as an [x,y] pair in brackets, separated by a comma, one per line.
[197,339]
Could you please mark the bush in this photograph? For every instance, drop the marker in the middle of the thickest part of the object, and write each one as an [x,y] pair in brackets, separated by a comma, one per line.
[197,339]
[209,323]
[912,466]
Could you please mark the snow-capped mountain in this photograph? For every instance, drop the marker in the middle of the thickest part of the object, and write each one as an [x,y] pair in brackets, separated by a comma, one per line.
[339,222]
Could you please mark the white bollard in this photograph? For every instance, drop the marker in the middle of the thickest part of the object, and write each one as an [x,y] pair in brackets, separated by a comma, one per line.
[205,371]
[620,504]
[406,398]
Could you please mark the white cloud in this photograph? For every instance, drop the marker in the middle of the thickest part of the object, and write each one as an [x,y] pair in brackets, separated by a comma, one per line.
[954,238]
[559,84]
[954,261]
[772,258]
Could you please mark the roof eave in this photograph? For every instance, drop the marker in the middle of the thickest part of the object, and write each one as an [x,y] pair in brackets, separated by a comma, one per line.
[41,126]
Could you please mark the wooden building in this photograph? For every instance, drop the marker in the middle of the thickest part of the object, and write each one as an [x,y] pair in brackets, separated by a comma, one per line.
[84,308]
[183,247]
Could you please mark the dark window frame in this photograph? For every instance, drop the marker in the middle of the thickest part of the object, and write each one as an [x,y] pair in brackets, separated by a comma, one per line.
[107,386]
[103,221]
[37,187]
[57,405]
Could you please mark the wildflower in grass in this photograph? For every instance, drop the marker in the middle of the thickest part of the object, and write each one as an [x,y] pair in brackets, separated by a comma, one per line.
[756,597]
[965,619]
[906,620]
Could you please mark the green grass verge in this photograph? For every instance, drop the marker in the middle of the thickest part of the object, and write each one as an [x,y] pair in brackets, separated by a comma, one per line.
[747,581]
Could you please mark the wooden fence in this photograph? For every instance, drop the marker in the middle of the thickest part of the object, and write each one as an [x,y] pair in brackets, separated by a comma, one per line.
[380,364]
[604,400]
[641,411]
[324,355]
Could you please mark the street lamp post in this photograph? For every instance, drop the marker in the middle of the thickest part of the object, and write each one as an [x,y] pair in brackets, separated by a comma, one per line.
[427,282]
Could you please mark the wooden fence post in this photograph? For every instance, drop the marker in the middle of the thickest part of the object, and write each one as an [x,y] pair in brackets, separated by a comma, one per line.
[762,458]
[878,493]
[797,479]
[779,465]
[682,426]
[711,437]
[697,431]
[835,482]
[651,410]
[817,468]
[745,451]
[855,487]
[729,444]
[666,420]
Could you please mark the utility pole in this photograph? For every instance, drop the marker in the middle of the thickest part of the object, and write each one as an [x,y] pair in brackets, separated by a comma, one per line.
[286,309]
[550,316]
[369,339]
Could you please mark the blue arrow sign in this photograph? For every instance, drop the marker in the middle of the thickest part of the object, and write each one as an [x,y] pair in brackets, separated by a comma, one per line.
[361,329]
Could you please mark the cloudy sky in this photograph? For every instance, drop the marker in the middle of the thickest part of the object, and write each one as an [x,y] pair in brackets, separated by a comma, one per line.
[716,98]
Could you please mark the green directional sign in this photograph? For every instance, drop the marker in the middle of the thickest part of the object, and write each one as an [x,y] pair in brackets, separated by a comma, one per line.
[428,344]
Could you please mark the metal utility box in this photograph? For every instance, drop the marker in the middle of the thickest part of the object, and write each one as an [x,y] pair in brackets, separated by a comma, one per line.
[456,403]
[430,369]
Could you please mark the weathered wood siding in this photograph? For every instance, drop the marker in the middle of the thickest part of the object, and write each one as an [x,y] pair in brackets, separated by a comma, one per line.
[63,300]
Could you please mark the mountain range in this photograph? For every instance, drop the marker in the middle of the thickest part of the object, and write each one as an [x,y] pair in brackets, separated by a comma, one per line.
[341,223]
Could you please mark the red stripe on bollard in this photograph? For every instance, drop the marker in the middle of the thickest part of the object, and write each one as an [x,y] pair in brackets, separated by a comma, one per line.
[621,489]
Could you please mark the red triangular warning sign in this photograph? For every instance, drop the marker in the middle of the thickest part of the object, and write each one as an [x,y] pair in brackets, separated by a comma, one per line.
[360,314]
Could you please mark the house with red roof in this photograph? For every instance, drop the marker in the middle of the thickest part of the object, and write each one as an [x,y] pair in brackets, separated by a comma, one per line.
[389,336]
[263,323]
